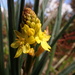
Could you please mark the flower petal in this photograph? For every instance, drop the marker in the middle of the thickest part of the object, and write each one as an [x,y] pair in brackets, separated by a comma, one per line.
[46,37]
[31,40]
[31,52]
[19,52]
[37,39]
[45,46]
[26,48]
[18,34]
[15,44]
[37,27]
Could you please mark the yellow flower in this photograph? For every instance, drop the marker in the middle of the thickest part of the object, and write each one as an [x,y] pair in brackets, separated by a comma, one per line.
[42,38]
[23,44]
[30,34]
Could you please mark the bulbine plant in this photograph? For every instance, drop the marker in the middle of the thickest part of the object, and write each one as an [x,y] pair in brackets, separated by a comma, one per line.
[29,42]
[29,36]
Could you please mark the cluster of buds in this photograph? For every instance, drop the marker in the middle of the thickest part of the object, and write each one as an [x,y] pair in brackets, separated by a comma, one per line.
[30,20]
[30,35]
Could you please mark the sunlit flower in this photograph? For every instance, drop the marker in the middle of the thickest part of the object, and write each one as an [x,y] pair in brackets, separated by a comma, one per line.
[23,44]
[42,38]
[30,35]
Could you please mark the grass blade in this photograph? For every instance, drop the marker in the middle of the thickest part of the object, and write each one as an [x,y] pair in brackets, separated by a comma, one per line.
[40,65]
[11,17]
[44,3]
[20,7]
[17,13]
[69,69]
[36,5]
[54,33]
[1,47]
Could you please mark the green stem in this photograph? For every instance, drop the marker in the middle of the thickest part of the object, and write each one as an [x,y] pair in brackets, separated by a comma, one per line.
[39,66]
[20,7]
[54,33]
[51,59]
[28,65]
[11,17]
[36,4]
[20,14]
[1,47]
[44,3]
